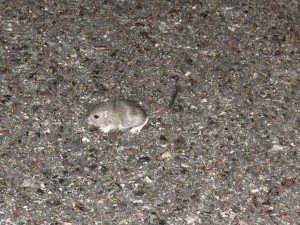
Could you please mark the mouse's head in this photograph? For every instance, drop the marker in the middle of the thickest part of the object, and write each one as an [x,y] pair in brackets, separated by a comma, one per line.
[97,118]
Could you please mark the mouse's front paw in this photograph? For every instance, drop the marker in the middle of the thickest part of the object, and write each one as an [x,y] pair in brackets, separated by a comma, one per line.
[105,129]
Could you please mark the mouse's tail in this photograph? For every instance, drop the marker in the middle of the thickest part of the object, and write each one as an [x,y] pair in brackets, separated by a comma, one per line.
[173,97]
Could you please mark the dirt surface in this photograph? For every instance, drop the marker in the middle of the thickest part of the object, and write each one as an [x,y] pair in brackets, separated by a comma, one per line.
[228,151]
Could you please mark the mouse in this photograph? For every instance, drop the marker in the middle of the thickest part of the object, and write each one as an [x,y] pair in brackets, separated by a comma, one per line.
[123,114]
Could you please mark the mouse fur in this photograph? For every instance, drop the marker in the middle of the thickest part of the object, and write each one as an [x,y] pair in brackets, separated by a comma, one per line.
[118,115]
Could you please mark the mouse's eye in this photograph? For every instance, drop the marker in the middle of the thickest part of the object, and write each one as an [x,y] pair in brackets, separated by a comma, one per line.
[96,116]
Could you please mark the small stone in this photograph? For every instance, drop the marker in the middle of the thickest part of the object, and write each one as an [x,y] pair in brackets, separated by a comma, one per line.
[166,155]
[5,132]
[86,140]
[277,148]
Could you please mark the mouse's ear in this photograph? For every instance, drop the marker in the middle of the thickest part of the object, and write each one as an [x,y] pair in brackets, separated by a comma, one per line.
[105,114]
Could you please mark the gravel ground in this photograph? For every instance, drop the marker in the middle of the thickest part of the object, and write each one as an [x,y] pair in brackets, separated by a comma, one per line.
[228,151]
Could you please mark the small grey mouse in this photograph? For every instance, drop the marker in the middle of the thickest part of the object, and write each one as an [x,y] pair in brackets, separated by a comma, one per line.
[122,114]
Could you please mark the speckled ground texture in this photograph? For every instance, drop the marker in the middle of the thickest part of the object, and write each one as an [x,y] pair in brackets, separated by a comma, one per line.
[228,151]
